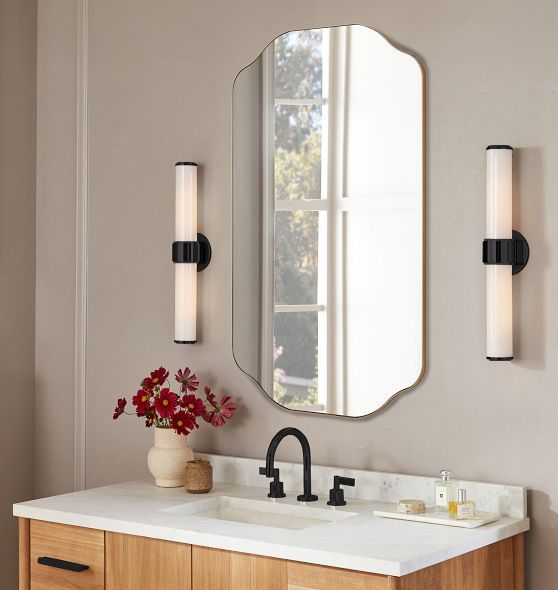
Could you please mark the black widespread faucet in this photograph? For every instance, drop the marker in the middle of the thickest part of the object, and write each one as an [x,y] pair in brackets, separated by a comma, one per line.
[276,487]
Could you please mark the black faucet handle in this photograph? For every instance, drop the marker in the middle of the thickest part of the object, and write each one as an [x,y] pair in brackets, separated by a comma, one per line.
[336,494]
[274,472]
[339,480]
[276,486]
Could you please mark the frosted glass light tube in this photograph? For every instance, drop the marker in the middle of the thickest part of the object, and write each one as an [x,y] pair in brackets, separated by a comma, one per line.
[499,308]
[185,274]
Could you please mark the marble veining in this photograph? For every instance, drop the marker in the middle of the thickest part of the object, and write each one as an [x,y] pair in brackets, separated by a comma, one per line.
[504,500]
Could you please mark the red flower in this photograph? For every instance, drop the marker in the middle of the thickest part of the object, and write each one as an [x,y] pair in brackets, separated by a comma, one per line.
[119,410]
[193,404]
[166,403]
[183,422]
[161,407]
[188,380]
[221,411]
[142,402]
[211,398]
[155,379]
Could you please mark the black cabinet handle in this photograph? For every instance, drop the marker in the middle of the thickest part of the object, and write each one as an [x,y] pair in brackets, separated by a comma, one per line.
[63,565]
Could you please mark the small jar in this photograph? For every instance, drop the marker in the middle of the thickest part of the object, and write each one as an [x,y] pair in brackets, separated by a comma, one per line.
[199,476]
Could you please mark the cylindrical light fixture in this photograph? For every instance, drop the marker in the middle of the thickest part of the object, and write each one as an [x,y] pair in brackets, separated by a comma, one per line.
[505,252]
[190,252]
[499,329]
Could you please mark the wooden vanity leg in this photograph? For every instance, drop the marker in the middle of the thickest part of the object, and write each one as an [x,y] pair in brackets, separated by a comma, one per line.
[24,559]
[519,562]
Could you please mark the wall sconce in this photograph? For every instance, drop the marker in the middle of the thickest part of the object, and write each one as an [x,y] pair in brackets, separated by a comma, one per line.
[191,253]
[504,251]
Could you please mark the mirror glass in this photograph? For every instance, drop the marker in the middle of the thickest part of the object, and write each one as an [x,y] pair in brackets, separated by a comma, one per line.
[328,209]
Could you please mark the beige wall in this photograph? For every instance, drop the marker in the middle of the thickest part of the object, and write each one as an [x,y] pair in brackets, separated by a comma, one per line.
[18,67]
[160,81]
[56,245]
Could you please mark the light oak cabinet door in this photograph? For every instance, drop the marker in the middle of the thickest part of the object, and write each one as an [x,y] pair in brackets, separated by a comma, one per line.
[303,576]
[499,566]
[215,569]
[71,546]
[139,563]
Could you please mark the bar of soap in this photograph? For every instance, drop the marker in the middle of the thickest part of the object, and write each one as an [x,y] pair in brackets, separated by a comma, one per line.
[411,507]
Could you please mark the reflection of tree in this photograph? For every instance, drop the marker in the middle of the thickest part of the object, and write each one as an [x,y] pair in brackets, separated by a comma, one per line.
[280,393]
[298,171]
[296,257]
[298,74]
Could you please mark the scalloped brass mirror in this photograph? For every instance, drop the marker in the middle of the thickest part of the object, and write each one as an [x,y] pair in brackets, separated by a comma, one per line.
[328,220]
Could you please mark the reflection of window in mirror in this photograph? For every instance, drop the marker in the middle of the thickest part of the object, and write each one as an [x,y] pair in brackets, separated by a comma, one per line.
[295,126]
[329,195]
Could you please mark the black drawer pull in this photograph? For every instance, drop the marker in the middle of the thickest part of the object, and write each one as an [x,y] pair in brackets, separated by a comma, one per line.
[63,565]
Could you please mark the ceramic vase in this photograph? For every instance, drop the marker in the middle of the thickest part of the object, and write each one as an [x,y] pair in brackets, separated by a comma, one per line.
[167,458]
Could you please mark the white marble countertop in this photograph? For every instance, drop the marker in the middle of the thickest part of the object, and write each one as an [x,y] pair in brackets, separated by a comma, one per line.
[361,542]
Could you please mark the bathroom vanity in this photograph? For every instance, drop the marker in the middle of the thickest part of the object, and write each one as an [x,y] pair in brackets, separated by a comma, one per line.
[137,536]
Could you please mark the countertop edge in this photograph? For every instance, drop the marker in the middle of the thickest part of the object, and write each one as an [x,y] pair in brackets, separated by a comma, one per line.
[270,549]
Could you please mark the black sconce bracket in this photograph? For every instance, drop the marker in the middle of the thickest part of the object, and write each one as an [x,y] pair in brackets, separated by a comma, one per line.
[193,252]
[514,252]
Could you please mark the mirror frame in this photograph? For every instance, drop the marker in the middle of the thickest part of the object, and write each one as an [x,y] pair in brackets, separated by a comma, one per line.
[422,373]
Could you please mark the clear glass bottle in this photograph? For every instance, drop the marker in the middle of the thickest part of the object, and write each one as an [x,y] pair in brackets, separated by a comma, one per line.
[462,509]
[445,491]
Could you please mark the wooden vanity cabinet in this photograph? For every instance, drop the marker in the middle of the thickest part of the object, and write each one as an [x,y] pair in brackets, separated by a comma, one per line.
[117,561]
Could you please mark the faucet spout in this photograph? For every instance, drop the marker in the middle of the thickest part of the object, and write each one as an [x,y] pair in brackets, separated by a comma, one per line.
[307,496]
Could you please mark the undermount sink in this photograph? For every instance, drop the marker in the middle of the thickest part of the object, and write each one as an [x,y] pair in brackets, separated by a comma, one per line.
[259,512]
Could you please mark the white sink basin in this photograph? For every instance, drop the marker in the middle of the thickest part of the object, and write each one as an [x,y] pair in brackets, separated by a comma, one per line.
[259,512]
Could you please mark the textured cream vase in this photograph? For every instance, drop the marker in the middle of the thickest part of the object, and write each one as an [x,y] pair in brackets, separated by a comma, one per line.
[167,458]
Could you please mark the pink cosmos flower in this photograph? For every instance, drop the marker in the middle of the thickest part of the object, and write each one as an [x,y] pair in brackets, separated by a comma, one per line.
[188,380]
[219,412]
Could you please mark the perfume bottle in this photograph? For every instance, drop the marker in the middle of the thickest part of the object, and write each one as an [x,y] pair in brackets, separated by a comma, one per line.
[445,490]
[462,509]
